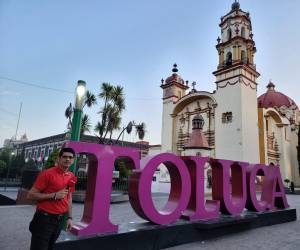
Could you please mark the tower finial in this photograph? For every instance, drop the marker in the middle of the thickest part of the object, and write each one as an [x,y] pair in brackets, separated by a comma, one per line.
[174,70]
[235,5]
[271,86]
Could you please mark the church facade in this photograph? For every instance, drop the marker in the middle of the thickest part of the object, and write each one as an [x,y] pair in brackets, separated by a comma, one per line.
[232,122]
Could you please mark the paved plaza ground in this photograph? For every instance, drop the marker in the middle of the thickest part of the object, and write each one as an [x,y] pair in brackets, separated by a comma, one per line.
[14,221]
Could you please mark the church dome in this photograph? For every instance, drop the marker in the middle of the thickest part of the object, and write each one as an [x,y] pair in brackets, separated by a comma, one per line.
[273,98]
[197,139]
[198,122]
[174,77]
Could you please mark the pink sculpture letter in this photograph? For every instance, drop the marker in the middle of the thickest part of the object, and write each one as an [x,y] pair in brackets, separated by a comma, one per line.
[97,202]
[198,208]
[231,195]
[140,189]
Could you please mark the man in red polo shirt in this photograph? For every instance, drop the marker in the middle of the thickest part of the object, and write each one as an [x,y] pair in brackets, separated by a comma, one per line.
[53,192]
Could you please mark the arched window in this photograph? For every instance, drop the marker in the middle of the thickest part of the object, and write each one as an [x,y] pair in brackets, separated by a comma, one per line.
[229,34]
[243,32]
[229,58]
[243,56]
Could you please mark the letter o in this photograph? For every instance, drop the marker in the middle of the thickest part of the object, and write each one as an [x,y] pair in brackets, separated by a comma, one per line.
[140,189]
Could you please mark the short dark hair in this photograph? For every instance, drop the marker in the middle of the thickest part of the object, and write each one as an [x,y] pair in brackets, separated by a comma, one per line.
[66,150]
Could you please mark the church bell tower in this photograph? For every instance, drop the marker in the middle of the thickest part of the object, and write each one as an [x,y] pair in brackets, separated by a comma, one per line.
[236,115]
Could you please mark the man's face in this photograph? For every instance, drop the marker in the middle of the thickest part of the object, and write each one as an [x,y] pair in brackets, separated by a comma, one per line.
[66,160]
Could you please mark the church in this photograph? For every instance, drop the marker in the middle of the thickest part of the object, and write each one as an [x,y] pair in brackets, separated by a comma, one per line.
[232,122]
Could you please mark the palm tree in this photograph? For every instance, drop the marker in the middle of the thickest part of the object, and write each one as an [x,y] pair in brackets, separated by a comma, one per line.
[141,130]
[114,104]
[85,124]
[106,94]
[90,99]
[69,114]
[99,128]
[114,121]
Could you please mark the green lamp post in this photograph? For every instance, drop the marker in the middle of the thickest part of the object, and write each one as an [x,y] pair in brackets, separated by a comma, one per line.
[77,115]
[76,125]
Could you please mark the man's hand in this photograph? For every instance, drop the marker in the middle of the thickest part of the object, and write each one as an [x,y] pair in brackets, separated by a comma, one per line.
[69,224]
[61,194]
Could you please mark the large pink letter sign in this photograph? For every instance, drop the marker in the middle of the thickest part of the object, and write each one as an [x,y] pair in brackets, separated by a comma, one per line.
[233,187]
[231,195]
[96,207]
[198,208]
[140,189]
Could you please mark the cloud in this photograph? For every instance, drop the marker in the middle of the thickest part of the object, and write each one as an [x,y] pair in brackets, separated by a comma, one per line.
[9,93]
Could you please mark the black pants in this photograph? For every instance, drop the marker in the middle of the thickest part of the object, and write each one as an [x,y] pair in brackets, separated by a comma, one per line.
[45,230]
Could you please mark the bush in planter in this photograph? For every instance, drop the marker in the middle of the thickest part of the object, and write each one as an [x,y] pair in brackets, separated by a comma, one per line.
[287,181]
[51,159]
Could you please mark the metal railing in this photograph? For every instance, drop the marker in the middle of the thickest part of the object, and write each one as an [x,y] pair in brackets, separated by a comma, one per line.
[117,185]
[10,182]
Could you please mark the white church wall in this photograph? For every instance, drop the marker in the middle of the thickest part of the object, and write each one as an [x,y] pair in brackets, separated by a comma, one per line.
[167,126]
[228,135]
[249,130]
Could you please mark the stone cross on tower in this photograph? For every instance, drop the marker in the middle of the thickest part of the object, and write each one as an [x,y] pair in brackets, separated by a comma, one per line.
[194,89]
[193,83]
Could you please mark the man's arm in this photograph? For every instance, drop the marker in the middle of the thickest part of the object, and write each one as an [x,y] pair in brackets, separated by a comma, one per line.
[70,206]
[36,195]
[69,220]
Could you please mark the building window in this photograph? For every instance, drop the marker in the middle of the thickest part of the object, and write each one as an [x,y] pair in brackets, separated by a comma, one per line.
[179,94]
[229,58]
[227,117]
[229,34]
[243,56]
[243,32]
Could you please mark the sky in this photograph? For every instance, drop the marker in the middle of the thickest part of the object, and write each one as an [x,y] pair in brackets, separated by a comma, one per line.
[132,43]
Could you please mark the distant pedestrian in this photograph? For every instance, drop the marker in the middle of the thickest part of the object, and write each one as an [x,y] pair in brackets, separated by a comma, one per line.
[292,187]
[53,192]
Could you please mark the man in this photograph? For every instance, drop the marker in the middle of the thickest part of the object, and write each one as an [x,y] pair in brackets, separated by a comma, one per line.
[53,192]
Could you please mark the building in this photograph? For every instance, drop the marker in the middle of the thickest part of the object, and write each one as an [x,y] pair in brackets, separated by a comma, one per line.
[232,122]
[14,141]
[40,149]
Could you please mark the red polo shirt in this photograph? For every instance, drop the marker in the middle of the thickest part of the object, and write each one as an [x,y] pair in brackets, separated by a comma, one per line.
[53,180]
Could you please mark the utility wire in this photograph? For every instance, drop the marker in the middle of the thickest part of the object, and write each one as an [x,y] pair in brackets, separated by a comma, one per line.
[7,112]
[70,92]
[36,85]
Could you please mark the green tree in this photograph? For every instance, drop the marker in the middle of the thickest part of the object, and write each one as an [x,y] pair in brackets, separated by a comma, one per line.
[6,157]
[111,114]
[17,165]
[106,94]
[120,166]
[2,167]
[6,154]
[90,100]
[85,124]
[30,165]
[113,101]
[52,159]
[141,130]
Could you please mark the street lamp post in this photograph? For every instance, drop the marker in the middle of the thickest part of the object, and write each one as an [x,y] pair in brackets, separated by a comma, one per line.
[77,115]
[8,168]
